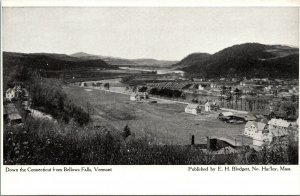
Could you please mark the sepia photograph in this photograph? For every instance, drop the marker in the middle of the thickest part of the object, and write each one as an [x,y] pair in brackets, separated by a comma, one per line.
[150,85]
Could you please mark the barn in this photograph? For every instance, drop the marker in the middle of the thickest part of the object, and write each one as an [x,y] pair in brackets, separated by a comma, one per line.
[193,109]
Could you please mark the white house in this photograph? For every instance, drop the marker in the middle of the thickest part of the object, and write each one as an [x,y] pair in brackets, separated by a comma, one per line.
[193,109]
[135,97]
[83,84]
[10,93]
[258,131]
[201,87]
[13,92]
[225,114]
[279,124]
[268,88]
[207,106]
[213,85]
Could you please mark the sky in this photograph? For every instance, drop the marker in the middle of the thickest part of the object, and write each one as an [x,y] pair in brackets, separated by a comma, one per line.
[161,33]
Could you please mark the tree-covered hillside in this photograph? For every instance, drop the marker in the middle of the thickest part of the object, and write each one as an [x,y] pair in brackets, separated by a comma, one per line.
[246,60]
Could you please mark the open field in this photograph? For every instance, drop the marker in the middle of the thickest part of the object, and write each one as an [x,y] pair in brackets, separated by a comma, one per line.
[165,122]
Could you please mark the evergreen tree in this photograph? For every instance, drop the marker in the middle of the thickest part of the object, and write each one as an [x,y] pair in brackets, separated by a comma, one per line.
[126,131]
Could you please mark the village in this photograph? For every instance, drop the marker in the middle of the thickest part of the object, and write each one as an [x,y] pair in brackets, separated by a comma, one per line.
[261,126]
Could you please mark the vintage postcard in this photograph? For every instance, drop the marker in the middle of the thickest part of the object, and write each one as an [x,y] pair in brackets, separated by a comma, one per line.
[118,99]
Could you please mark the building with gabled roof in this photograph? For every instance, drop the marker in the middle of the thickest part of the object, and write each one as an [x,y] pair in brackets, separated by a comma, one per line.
[10,93]
[13,92]
[207,106]
[193,109]
[135,97]
[226,114]
[258,131]
[279,128]
[279,123]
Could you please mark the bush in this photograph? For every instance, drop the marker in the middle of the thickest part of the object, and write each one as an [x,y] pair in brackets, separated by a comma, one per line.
[49,97]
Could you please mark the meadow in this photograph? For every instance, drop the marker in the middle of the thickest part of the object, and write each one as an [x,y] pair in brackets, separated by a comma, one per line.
[166,122]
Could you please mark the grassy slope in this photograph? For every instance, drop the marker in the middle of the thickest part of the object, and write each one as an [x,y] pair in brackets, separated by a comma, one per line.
[167,122]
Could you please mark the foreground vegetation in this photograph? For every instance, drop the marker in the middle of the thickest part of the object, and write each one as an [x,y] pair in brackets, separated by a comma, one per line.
[45,142]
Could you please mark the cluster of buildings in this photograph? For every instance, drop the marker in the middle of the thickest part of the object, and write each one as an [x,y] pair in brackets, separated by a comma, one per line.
[139,96]
[264,133]
[16,92]
[259,86]
[197,109]
[11,114]
[258,128]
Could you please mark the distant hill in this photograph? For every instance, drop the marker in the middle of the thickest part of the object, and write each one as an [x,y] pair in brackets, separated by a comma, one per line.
[191,59]
[85,56]
[122,61]
[153,62]
[249,59]
[53,62]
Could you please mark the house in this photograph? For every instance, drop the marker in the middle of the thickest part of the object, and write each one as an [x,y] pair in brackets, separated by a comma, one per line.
[83,84]
[213,85]
[12,92]
[201,87]
[198,79]
[135,97]
[139,96]
[258,131]
[244,117]
[225,114]
[143,95]
[207,106]
[268,88]
[246,82]
[249,118]
[192,109]
[265,80]
[279,129]
[279,124]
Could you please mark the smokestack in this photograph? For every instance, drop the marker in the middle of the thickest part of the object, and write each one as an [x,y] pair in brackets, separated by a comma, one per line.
[208,143]
[193,140]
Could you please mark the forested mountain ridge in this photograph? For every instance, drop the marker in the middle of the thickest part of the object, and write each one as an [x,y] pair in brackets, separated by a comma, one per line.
[250,59]
[49,61]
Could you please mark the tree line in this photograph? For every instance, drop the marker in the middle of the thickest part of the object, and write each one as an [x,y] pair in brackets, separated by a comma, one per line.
[165,92]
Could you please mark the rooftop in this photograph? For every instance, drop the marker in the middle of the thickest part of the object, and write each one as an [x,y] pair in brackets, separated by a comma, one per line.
[279,122]
[192,106]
